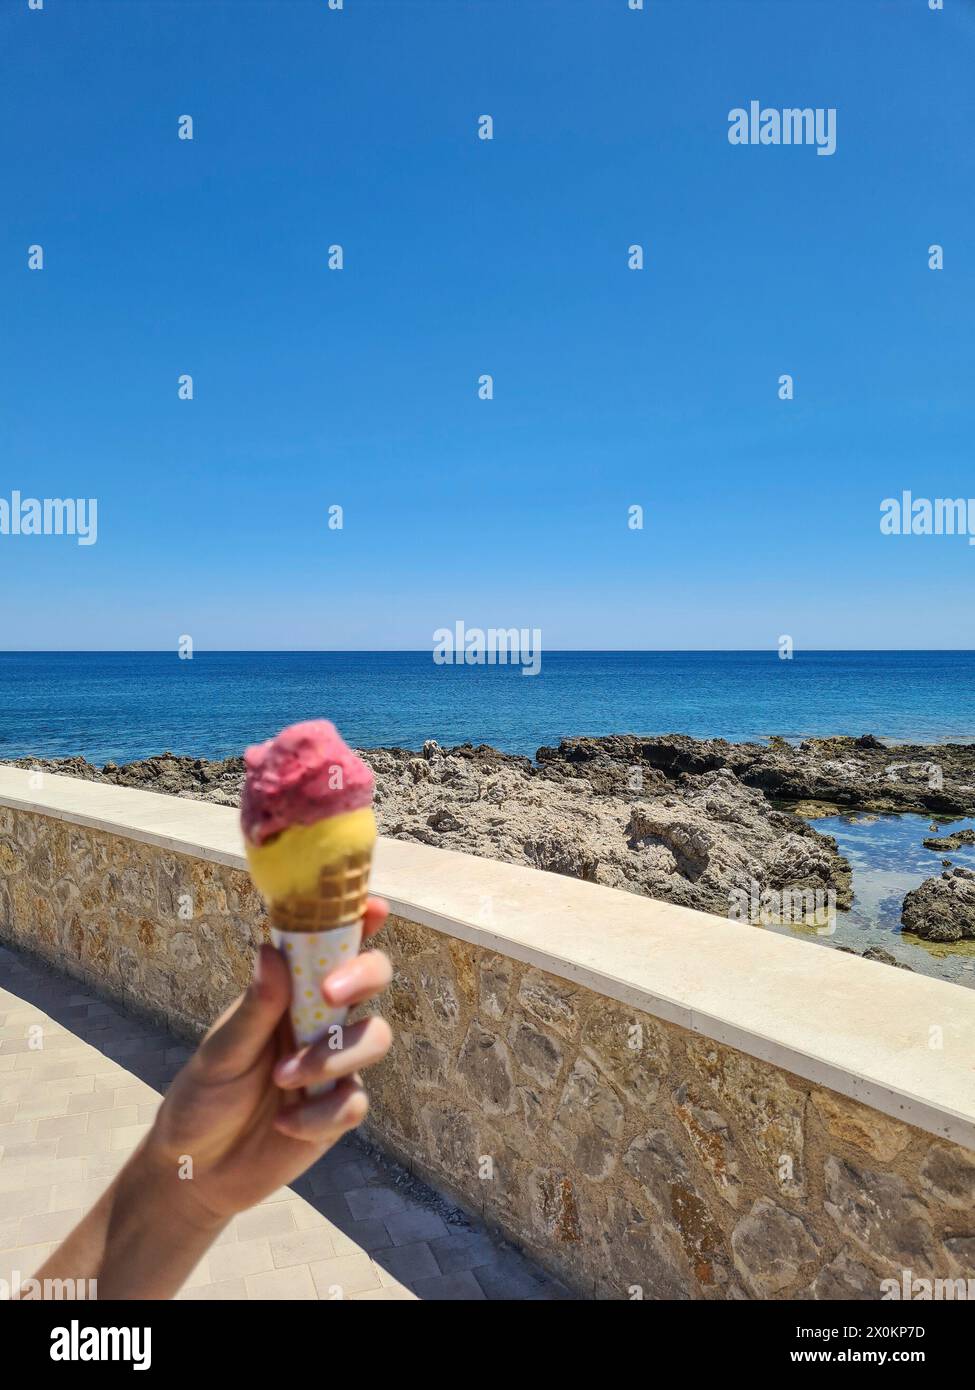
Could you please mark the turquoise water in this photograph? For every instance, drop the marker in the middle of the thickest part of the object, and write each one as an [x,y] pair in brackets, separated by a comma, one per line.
[124,705]
[888,859]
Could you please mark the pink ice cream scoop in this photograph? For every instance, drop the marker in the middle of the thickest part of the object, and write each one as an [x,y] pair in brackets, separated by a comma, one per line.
[306,773]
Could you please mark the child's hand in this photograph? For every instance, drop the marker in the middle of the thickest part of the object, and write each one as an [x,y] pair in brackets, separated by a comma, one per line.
[236,1110]
[233,1128]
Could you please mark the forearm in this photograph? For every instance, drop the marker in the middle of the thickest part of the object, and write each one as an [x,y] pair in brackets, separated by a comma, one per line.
[141,1240]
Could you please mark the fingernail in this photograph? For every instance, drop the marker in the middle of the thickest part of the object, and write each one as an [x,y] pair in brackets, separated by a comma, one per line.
[289,1070]
[339,985]
[259,967]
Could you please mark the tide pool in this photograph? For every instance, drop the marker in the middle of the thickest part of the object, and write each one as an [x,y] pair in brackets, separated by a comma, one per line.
[888,858]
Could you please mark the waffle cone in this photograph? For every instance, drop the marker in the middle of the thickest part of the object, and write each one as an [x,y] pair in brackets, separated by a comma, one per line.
[340,899]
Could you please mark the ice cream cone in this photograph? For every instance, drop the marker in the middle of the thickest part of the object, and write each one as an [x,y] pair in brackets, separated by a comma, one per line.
[312,956]
[316,934]
[340,899]
[309,832]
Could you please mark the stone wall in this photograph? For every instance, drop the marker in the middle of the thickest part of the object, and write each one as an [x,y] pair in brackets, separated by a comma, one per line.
[623,1152]
[171,935]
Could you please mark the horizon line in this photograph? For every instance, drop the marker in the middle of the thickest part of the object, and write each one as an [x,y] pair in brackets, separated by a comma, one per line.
[428,651]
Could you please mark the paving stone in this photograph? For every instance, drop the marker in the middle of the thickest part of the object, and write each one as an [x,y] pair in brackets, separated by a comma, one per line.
[385,1294]
[24,1260]
[116,1118]
[66,1085]
[333,1208]
[342,1177]
[295,1283]
[462,1287]
[15,1205]
[364,1202]
[19,1174]
[47,1226]
[87,1101]
[102,1166]
[240,1259]
[84,1145]
[127,1137]
[39,1107]
[370,1234]
[370,1169]
[301,1247]
[467,1250]
[266,1220]
[57,1126]
[83,1194]
[414,1224]
[407,1263]
[346,1274]
[227,1290]
[307,1217]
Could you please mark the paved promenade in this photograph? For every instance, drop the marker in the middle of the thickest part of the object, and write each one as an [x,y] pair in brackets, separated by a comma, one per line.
[72,1112]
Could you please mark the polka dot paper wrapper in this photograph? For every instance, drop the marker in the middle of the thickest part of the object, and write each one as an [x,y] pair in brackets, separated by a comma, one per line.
[311,956]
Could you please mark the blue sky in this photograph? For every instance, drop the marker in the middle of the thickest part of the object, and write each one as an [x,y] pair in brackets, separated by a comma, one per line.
[463,256]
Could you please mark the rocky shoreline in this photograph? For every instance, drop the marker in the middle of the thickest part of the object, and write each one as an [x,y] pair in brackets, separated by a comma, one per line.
[702,823]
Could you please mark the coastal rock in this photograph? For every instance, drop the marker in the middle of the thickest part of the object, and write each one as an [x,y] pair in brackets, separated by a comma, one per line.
[858,773]
[877,953]
[885,958]
[697,822]
[942,909]
[664,817]
[955,840]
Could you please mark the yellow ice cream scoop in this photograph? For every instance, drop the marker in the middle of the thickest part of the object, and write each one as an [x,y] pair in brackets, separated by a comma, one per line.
[290,864]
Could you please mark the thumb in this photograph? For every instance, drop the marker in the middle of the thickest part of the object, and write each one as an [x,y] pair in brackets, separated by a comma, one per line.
[240,1035]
